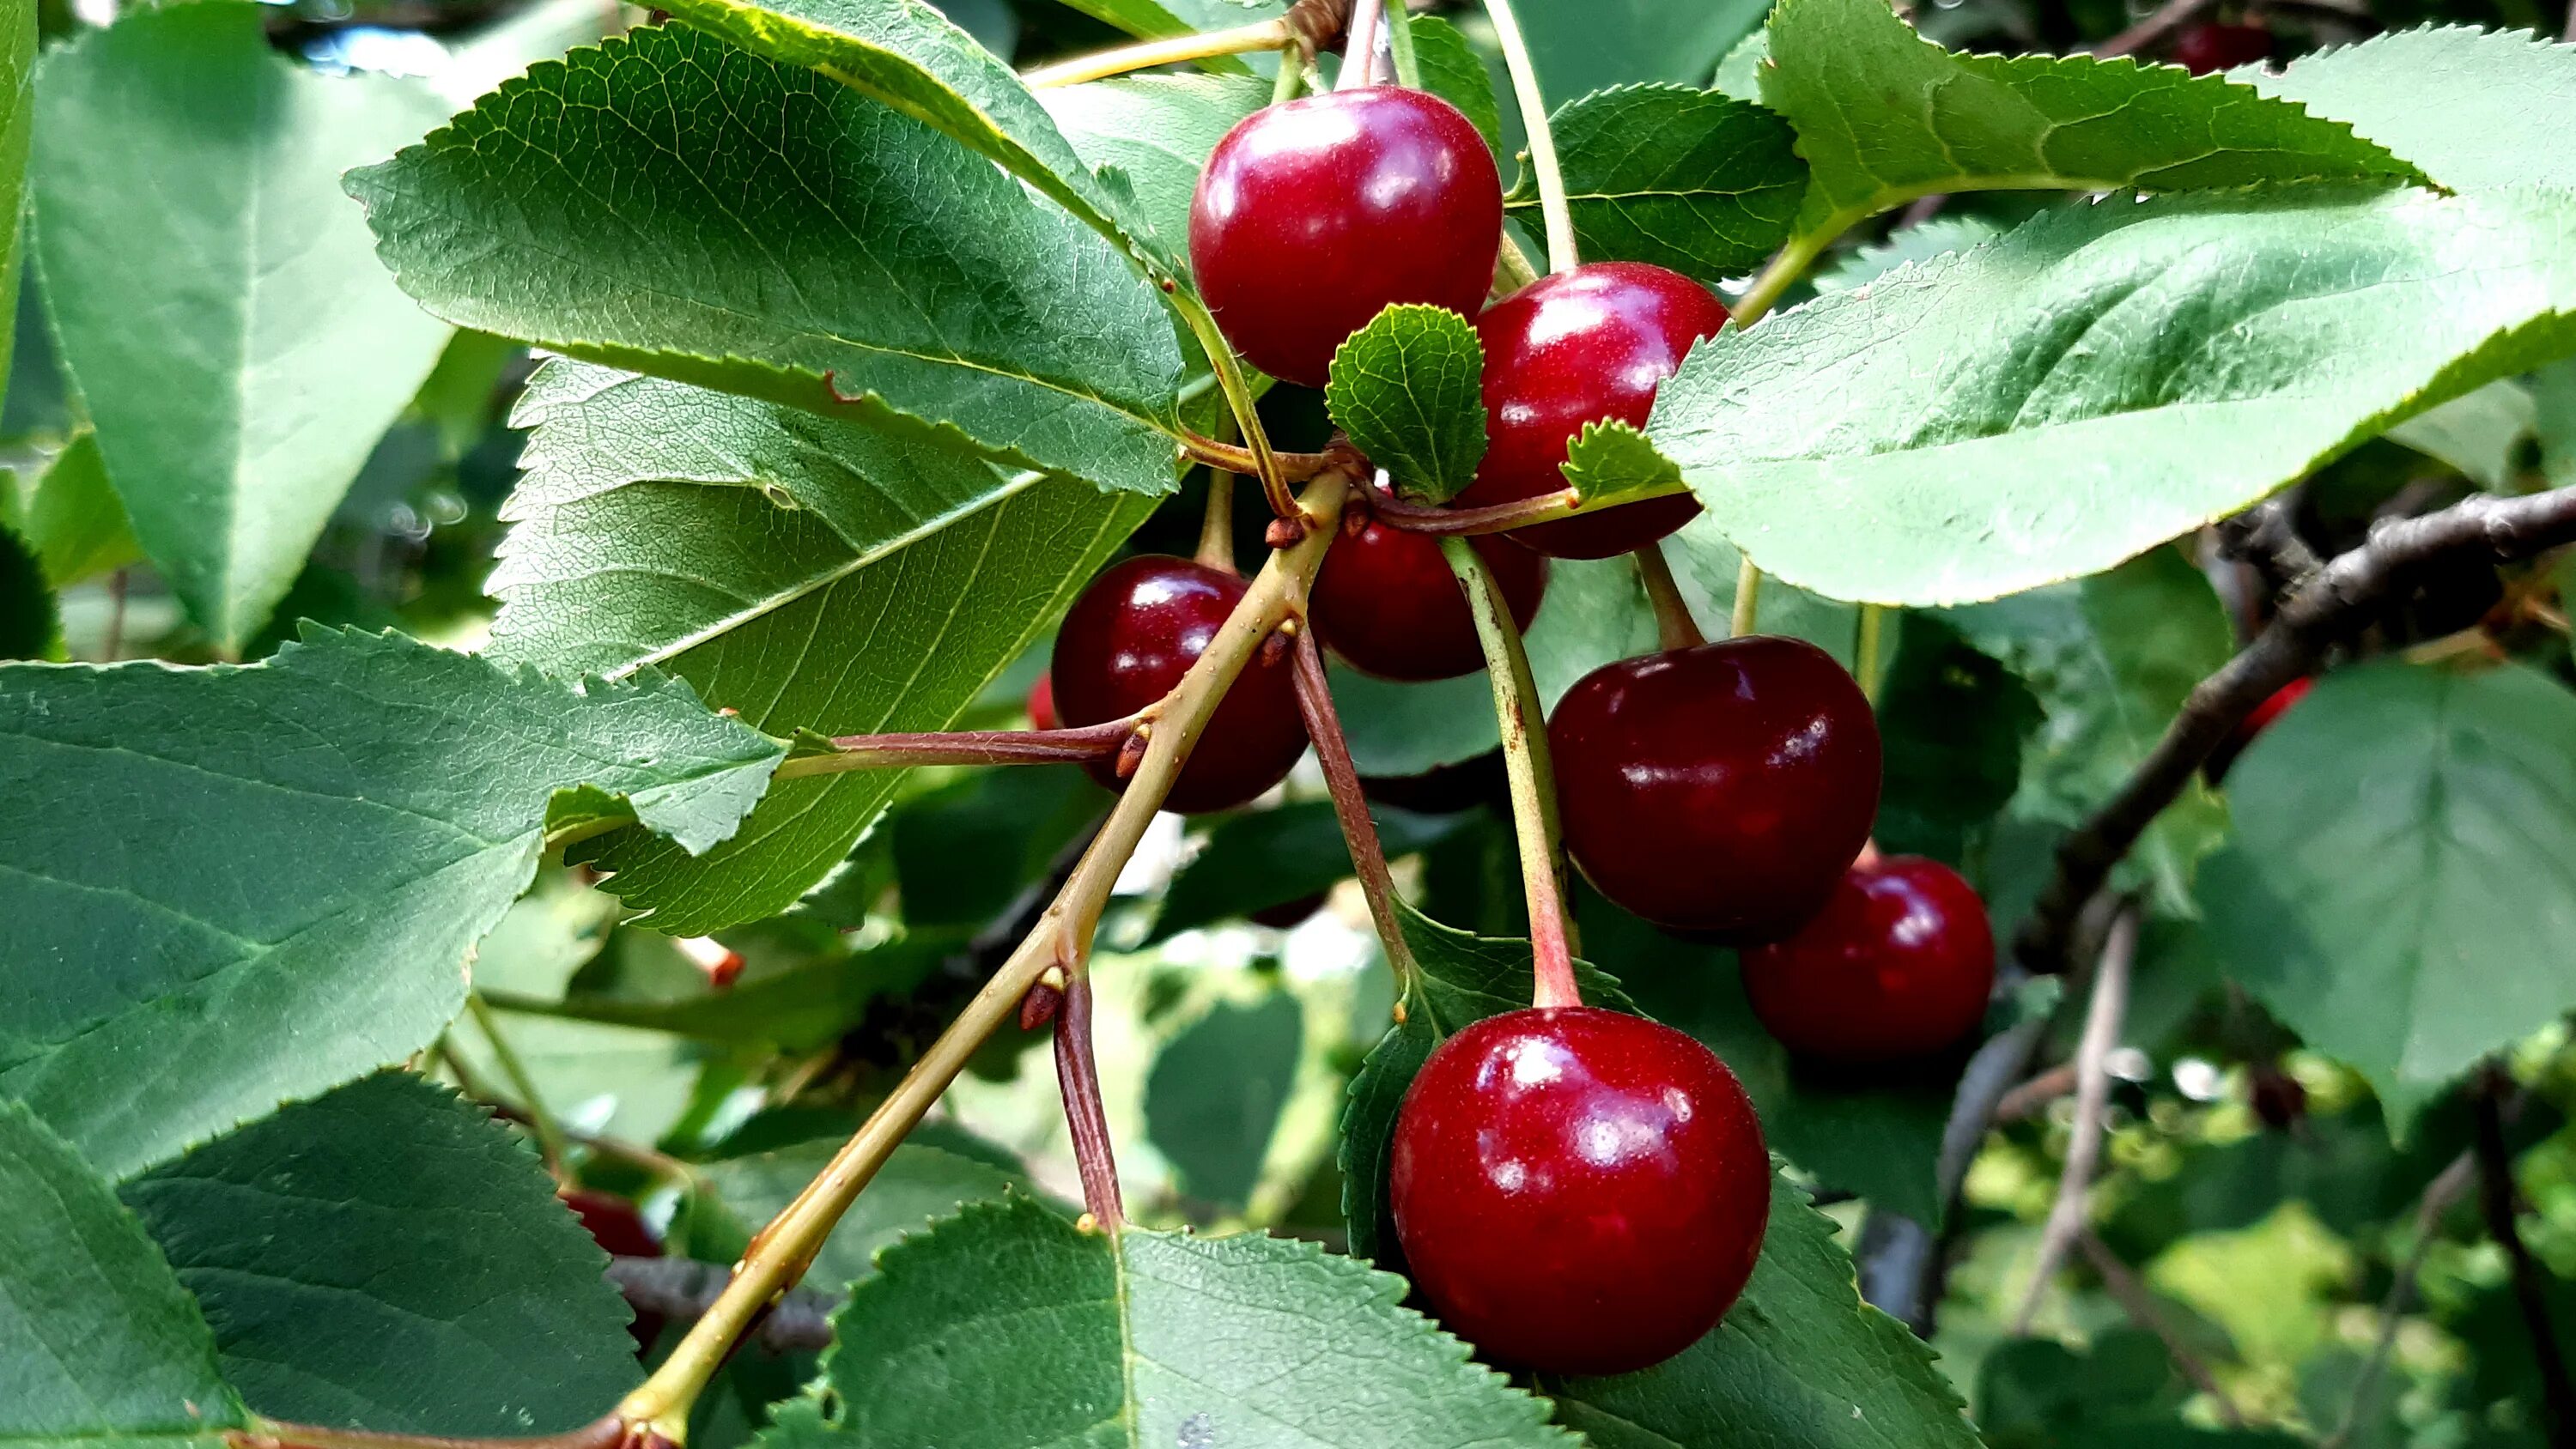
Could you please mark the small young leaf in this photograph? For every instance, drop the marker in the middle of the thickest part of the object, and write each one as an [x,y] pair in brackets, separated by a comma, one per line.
[388,1257]
[2479,433]
[274,872]
[1157,130]
[1407,388]
[1454,72]
[102,1346]
[2382,824]
[1611,462]
[1693,180]
[2474,108]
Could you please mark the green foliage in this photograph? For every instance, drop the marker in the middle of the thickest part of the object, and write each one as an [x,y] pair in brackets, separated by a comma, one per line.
[1586,45]
[1914,245]
[186,174]
[17,129]
[2379,825]
[1453,72]
[1272,857]
[1157,130]
[1609,461]
[73,519]
[1033,1331]
[388,1257]
[399,797]
[1952,723]
[1212,1103]
[918,1184]
[30,625]
[2479,433]
[1684,178]
[1406,389]
[2475,109]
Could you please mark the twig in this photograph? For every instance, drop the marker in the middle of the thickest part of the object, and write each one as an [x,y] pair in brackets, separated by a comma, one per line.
[1748,598]
[2028,1098]
[1674,626]
[965,747]
[1077,1076]
[1868,651]
[1542,139]
[2332,602]
[1196,45]
[550,1135]
[2446,1188]
[113,647]
[2168,17]
[2568,32]
[608,1432]
[1236,458]
[2140,1305]
[1360,43]
[1395,512]
[2102,1019]
[2267,537]
[681,1290]
[1350,807]
[2496,1195]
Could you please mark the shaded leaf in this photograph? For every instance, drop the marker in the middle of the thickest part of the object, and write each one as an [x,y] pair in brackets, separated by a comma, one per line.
[31,626]
[965,851]
[918,1184]
[2480,433]
[1212,1101]
[1407,388]
[1264,858]
[1157,130]
[1952,722]
[1914,245]
[1588,45]
[2473,108]
[74,520]
[1689,179]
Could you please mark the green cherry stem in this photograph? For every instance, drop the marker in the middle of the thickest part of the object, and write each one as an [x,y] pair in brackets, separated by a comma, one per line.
[1198,45]
[1561,255]
[1866,657]
[1350,808]
[1531,778]
[1263,463]
[1674,626]
[1359,44]
[550,1134]
[1748,599]
[1078,745]
[1782,273]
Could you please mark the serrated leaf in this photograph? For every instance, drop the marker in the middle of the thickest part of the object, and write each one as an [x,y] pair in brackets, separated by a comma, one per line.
[2474,108]
[2480,433]
[1453,71]
[1914,245]
[1213,1099]
[389,1257]
[1610,461]
[2104,378]
[99,1345]
[1884,117]
[1006,1325]
[74,520]
[1157,130]
[792,568]
[1584,46]
[186,173]
[2382,826]
[1264,858]
[1799,1360]
[918,1184]
[273,872]
[1689,179]
[1407,388]
[781,236]
[2110,660]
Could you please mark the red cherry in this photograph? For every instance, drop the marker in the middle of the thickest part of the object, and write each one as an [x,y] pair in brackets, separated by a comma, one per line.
[1444,789]
[612,1222]
[1042,704]
[1898,964]
[2211,46]
[1388,604]
[1287,915]
[1575,348]
[1130,638]
[1315,215]
[1719,789]
[1579,1191]
[2254,724]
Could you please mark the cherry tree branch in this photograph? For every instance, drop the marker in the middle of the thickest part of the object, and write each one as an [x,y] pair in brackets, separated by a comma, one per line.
[1350,807]
[2102,1018]
[965,747]
[2332,602]
[2265,537]
[2446,1188]
[681,1290]
[2140,1305]
[1077,1076]
[2496,1199]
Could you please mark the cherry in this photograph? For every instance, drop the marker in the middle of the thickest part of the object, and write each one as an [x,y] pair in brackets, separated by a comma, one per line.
[1578,1191]
[1042,714]
[2211,46]
[1314,215]
[1570,349]
[1897,965]
[2279,1099]
[1387,602]
[1718,789]
[1444,789]
[1132,635]
[618,1228]
[1287,915]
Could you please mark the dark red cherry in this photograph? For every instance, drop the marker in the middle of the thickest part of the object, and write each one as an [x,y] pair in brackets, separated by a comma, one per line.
[1042,704]
[2279,1099]
[1444,789]
[1313,216]
[1130,638]
[1287,915]
[618,1228]
[1898,964]
[2254,724]
[1578,1191]
[1575,348]
[1387,602]
[2210,46]
[1719,789]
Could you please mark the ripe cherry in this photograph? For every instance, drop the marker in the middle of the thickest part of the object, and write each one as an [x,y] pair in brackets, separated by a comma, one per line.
[1387,602]
[1313,216]
[1718,789]
[1287,915]
[2211,46]
[1042,714]
[1575,348]
[1444,789]
[1578,1191]
[1897,965]
[1130,638]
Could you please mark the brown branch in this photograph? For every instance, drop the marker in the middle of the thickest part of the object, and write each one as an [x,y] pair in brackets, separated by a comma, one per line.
[1235,458]
[2030,1097]
[966,747]
[2445,1189]
[1465,522]
[1077,1076]
[2266,537]
[682,1289]
[2496,1194]
[2140,1305]
[1350,806]
[2333,602]
[2102,1018]
[601,1433]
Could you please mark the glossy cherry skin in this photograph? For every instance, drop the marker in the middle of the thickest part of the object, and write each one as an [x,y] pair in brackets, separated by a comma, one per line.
[1575,348]
[1130,638]
[1315,215]
[1577,1190]
[1718,790]
[1042,714]
[1898,965]
[1387,603]
[2211,46]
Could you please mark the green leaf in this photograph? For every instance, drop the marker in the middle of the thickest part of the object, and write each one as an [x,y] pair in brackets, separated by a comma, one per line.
[779,235]
[1464,979]
[1952,722]
[99,1345]
[1914,246]
[1885,116]
[186,173]
[389,1257]
[17,131]
[918,1184]
[2474,108]
[272,873]
[74,520]
[1212,1101]
[1007,1325]
[793,568]
[2104,378]
[31,625]
[1407,389]
[1588,45]
[2379,826]
[1453,71]
[1157,130]
[2480,433]
[964,852]
[1799,1360]
[1739,71]
[1149,20]
[1609,461]
[1264,858]
[2110,659]
[1707,568]
[1689,179]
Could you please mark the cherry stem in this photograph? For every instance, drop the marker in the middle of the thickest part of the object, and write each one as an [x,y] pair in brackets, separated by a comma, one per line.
[265,1433]
[1396,512]
[1542,141]
[1216,526]
[1527,770]
[1674,626]
[1201,45]
[965,747]
[1748,599]
[1866,662]
[781,1252]
[1512,269]
[1256,457]
[1350,807]
[549,1134]
[1359,45]
[1781,273]
[1234,458]
[1077,1077]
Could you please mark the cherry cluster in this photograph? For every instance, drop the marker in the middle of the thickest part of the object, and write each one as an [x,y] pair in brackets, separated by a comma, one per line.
[1575,1190]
